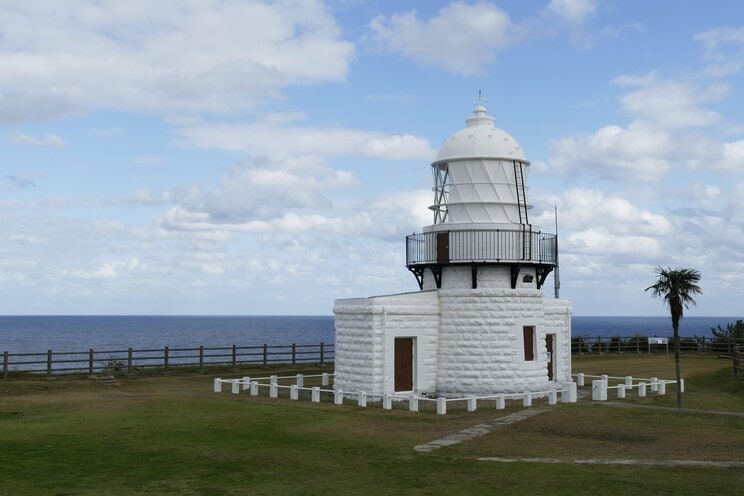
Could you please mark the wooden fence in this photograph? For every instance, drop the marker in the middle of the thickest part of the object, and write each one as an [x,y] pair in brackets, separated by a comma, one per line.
[130,360]
[738,356]
[640,344]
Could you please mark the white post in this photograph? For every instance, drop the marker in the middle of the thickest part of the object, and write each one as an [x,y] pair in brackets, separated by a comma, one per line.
[628,380]
[413,403]
[254,388]
[500,402]
[217,385]
[599,390]
[662,388]
[642,390]
[527,399]
[246,383]
[621,392]
[273,391]
[580,379]
[441,406]
[338,397]
[681,385]
[300,380]
[235,387]
[324,379]
[315,395]
[654,384]
[294,392]
[362,399]
[472,403]
[387,402]
[273,379]
[604,377]
[552,397]
[573,394]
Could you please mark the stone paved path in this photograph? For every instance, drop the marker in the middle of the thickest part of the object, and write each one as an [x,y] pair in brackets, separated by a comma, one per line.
[478,430]
[622,461]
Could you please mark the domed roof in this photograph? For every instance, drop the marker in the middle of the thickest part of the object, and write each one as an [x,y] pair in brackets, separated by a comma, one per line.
[480,139]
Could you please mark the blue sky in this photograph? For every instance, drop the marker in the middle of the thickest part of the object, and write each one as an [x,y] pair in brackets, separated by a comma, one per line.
[247,157]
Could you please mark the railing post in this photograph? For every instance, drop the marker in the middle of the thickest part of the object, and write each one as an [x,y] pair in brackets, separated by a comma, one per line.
[265,354]
[294,353]
[201,357]
[90,361]
[599,344]
[5,365]
[234,356]
[129,361]
[166,353]
[49,362]
[322,353]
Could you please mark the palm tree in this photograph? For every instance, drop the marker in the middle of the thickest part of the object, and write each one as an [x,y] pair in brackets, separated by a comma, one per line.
[676,287]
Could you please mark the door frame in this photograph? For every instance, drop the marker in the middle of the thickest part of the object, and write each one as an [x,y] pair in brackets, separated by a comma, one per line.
[413,340]
[551,361]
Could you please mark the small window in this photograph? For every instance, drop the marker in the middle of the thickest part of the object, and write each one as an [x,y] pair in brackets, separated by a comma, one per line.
[529,343]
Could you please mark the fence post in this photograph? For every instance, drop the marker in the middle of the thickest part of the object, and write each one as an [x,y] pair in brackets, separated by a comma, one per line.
[201,357]
[234,357]
[129,361]
[599,344]
[49,362]
[265,354]
[638,344]
[441,406]
[5,365]
[166,351]
[90,361]
[322,353]
[581,345]
[294,352]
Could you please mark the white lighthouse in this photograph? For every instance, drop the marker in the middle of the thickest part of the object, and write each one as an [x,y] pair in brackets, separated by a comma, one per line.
[480,323]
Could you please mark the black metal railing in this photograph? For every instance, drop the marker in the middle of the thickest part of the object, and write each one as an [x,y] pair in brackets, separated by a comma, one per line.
[495,245]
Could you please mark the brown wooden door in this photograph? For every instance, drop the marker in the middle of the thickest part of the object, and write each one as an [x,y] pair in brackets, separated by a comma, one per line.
[404,364]
[443,248]
[549,338]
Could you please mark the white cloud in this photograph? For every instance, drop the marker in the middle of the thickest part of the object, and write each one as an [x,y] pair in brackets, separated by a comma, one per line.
[462,37]
[51,140]
[733,157]
[572,11]
[173,56]
[277,137]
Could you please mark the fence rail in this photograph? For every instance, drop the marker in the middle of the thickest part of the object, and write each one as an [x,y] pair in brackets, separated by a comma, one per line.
[130,360]
[642,344]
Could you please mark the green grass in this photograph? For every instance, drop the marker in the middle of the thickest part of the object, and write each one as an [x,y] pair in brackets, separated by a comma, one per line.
[172,435]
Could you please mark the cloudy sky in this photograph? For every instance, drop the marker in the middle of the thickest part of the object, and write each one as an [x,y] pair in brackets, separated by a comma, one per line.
[256,157]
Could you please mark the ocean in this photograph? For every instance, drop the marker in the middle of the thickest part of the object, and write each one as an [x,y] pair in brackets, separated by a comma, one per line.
[19,334]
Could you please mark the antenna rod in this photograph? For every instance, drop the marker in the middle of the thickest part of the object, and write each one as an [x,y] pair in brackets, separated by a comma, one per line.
[556,276]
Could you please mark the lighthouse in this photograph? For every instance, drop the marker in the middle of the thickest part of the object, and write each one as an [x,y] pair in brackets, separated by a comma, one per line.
[480,323]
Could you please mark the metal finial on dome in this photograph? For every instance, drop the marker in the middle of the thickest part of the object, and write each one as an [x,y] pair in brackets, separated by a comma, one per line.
[480,105]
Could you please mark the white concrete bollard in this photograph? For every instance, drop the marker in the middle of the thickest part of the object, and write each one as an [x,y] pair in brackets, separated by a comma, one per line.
[387,402]
[621,392]
[605,377]
[254,388]
[654,385]
[246,383]
[300,380]
[441,406]
[500,402]
[294,392]
[472,403]
[681,385]
[599,390]
[580,379]
[273,379]
[413,403]
[362,399]
[628,380]
[235,387]
[315,394]
[527,399]
[642,390]
[338,397]
[552,397]
[662,388]
[273,391]
[217,385]
[324,379]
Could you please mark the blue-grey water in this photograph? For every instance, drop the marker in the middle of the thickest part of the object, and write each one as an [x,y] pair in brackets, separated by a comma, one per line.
[72,333]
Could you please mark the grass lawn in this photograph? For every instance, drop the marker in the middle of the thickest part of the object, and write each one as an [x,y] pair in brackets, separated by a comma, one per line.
[172,435]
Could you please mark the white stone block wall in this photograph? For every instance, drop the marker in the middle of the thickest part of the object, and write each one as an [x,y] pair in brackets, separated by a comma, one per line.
[489,277]
[558,321]
[358,350]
